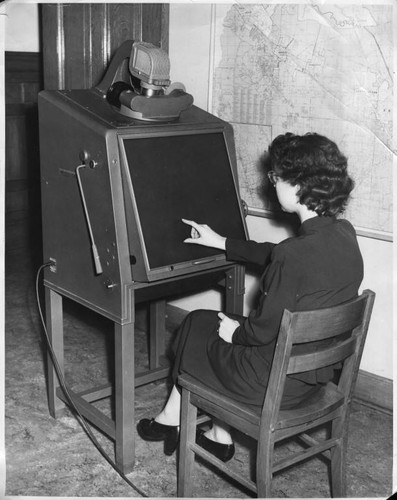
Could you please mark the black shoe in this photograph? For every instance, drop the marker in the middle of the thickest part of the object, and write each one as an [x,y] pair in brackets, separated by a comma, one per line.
[222,451]
[150,430]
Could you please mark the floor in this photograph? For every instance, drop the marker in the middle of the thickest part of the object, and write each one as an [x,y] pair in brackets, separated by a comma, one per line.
[54,457]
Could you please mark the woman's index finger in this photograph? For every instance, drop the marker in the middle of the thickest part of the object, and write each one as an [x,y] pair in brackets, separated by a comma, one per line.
[190,223]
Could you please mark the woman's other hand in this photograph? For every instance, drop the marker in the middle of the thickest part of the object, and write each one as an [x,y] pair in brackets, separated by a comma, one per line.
[201,234]
[227,327]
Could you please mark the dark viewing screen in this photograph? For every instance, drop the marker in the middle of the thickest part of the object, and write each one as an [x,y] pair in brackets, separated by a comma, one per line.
[182,176]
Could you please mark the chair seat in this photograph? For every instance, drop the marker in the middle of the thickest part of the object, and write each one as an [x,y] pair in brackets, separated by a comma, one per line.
[328,399]
[322,406]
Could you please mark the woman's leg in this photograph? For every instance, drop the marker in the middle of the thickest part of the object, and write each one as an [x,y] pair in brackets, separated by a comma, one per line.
[170,415]
[220,432]
[189,335]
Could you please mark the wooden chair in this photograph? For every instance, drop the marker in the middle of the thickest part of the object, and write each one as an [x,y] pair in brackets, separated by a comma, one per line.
[347,325]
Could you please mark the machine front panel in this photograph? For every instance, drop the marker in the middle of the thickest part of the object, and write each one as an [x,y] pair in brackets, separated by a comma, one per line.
[175,175]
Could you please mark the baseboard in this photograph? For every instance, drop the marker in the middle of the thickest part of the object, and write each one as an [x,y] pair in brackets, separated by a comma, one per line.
[374,390]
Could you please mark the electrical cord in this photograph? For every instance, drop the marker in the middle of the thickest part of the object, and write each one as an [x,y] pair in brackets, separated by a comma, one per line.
[82,421]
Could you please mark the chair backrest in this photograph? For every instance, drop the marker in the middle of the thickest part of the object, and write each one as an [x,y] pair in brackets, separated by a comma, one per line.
[309,340]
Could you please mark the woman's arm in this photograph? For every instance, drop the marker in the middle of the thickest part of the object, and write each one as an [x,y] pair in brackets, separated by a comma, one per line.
[279,292]
[249,251]
[239,250]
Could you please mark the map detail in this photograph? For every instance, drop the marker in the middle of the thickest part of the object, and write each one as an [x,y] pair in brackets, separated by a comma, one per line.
[249,150]
[310,68]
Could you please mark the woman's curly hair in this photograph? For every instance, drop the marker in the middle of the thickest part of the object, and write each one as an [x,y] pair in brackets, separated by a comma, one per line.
[315,164]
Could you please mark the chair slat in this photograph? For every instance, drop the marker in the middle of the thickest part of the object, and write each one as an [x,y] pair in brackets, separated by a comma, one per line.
[325,357]
[304,455]
[250,485]
[321,324]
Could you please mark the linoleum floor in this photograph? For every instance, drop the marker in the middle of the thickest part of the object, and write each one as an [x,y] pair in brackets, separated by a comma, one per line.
[54,457]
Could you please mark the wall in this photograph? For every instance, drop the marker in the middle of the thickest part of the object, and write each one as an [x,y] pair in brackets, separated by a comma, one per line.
[190,28]
[22,27]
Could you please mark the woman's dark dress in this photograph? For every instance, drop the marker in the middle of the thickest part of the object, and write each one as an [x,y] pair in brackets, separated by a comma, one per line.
[320,267]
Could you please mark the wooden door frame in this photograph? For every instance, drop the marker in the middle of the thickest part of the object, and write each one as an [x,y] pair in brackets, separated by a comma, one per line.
[78,40]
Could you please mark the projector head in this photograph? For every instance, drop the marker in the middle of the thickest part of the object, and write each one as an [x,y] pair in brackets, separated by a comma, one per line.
[151,65]
[137,84]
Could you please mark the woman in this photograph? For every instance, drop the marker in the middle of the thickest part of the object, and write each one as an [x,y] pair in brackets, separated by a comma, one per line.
[320,267]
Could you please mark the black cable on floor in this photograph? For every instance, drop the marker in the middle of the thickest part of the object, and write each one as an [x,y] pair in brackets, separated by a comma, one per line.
[82,421]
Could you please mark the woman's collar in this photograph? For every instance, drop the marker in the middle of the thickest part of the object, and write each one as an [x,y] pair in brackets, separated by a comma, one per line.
[316,222]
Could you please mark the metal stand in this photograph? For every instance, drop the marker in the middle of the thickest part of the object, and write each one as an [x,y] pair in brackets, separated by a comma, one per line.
[122,428]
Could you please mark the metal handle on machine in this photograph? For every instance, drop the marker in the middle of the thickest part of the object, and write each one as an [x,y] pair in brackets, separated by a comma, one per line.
[97,261]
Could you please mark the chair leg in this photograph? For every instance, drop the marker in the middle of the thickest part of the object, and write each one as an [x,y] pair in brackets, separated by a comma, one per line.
[187,437]
[338,472]
[264,461]
[338,460]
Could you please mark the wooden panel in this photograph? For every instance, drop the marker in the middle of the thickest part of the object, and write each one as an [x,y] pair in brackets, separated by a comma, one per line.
[22,151]
[80,39]
[22,67]
[155,17]
[52,46]
[23,77]
[23,81]
[77,45]
[21,92]
[16,150]
[124,23]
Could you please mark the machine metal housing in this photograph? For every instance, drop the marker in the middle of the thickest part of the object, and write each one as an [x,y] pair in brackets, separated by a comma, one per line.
[80,128]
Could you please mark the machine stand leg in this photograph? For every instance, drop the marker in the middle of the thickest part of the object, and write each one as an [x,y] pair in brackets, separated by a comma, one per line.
[234,295]
[124,396]
[54,325]
[157,332]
